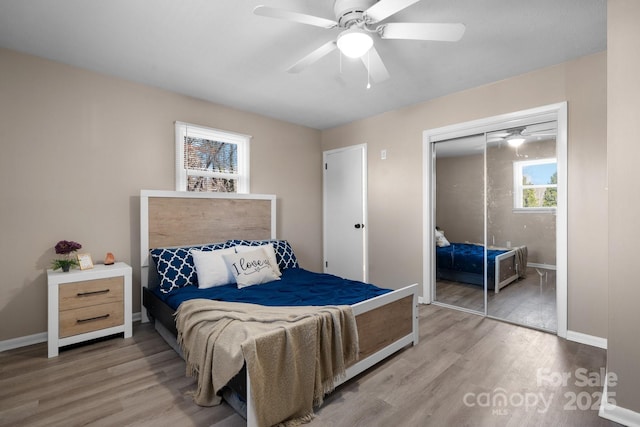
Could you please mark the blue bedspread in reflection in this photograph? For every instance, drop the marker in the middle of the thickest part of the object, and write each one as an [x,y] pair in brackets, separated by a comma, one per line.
[297,287]
[468,258]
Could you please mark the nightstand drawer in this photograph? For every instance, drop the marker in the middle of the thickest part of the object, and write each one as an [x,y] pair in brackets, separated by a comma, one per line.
[88,304]
[91,292]
[87,319]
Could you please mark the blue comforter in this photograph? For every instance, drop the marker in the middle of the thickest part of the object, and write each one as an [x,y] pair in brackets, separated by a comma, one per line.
[467,258]
[297,287]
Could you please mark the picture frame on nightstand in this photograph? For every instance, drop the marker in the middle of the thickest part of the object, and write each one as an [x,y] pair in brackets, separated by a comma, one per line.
[85,261]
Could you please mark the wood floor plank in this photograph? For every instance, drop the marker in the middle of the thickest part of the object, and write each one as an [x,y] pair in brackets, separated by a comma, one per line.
[462,362]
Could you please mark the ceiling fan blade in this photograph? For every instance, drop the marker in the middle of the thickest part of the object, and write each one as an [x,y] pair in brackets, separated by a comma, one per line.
[541,129]
[323,50]
[272,12]
[494,139]
[374,64]
[418,31]
[498,135]
[538,134]
[385,8]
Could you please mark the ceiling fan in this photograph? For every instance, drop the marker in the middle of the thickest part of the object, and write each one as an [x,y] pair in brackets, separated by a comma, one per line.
[518,136]
[360,19]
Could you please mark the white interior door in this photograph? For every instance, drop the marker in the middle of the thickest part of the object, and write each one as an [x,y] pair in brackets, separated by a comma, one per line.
[345,225]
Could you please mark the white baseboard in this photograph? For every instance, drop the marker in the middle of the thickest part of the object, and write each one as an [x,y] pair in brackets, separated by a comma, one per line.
[616,413]
[23,341]
[38,338]
[544,266]
[587,339]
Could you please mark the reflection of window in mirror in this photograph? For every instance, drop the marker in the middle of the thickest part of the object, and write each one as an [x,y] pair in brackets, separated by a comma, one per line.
[535,184]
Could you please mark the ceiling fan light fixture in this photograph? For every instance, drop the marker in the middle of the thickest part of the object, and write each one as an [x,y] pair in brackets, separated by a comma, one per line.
[354,42]
[516,141]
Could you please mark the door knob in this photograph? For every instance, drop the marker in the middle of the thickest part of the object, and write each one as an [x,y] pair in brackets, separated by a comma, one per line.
[359,226]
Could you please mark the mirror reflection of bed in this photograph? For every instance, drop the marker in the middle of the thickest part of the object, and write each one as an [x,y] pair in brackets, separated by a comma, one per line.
[476,182]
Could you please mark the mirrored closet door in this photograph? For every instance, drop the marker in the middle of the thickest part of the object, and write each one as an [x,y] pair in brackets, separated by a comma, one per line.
[521,188]
[494,201]
[459,222]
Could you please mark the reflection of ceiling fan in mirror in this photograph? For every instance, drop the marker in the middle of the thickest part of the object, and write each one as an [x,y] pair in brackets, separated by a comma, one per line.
[518,136]
[360,21]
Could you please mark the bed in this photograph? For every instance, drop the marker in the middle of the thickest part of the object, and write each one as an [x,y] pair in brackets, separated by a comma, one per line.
[464,262]
[386,322]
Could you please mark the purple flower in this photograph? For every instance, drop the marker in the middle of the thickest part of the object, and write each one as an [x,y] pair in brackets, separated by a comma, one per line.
[65,247]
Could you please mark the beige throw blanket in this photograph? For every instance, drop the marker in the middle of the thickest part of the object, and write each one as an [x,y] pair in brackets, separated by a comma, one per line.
[293,355]
[521,260]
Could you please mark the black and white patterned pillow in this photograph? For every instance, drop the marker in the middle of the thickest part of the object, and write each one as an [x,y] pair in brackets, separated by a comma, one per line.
[284,252]
[175,265]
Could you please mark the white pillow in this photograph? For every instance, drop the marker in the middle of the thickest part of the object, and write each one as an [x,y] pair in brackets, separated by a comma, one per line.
[271,253]
[441,240]
[211,267]
[251,267]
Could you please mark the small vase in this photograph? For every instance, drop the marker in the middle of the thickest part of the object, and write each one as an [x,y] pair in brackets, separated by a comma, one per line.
[65,268]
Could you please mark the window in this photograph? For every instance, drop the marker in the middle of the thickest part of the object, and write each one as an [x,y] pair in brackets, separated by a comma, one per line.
[211,160]
[535,184]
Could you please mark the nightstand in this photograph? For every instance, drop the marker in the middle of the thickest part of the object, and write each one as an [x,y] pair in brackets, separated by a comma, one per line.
[88,304]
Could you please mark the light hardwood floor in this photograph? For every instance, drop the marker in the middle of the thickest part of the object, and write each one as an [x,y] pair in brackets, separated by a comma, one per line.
[462,364]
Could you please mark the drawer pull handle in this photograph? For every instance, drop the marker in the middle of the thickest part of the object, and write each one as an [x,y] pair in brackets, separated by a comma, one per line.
[104,316]
[85,294]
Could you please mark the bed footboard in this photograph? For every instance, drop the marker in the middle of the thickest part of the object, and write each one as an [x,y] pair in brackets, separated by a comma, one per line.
[507,268]
[386,324]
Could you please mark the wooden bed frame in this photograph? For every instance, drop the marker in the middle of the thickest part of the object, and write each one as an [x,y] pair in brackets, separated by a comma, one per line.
[507,270]
[386,324]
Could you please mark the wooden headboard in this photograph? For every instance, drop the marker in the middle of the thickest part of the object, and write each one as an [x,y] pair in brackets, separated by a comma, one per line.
[177,218]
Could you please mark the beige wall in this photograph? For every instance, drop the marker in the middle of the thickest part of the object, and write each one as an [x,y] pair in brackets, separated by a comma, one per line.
[395,184]
[535,230]
[460,197]
[77,148]
[623,355]
[72,140]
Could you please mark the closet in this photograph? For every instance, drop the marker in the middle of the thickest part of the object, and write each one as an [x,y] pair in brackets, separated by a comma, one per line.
[495,217]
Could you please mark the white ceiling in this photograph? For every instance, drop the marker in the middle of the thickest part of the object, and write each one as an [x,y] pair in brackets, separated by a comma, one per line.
[219,51]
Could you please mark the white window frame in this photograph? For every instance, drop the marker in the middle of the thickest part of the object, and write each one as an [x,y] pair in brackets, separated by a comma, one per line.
[183,129]
[518,187]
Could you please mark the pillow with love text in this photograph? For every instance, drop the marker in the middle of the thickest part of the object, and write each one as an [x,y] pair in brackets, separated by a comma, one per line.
[251,267]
